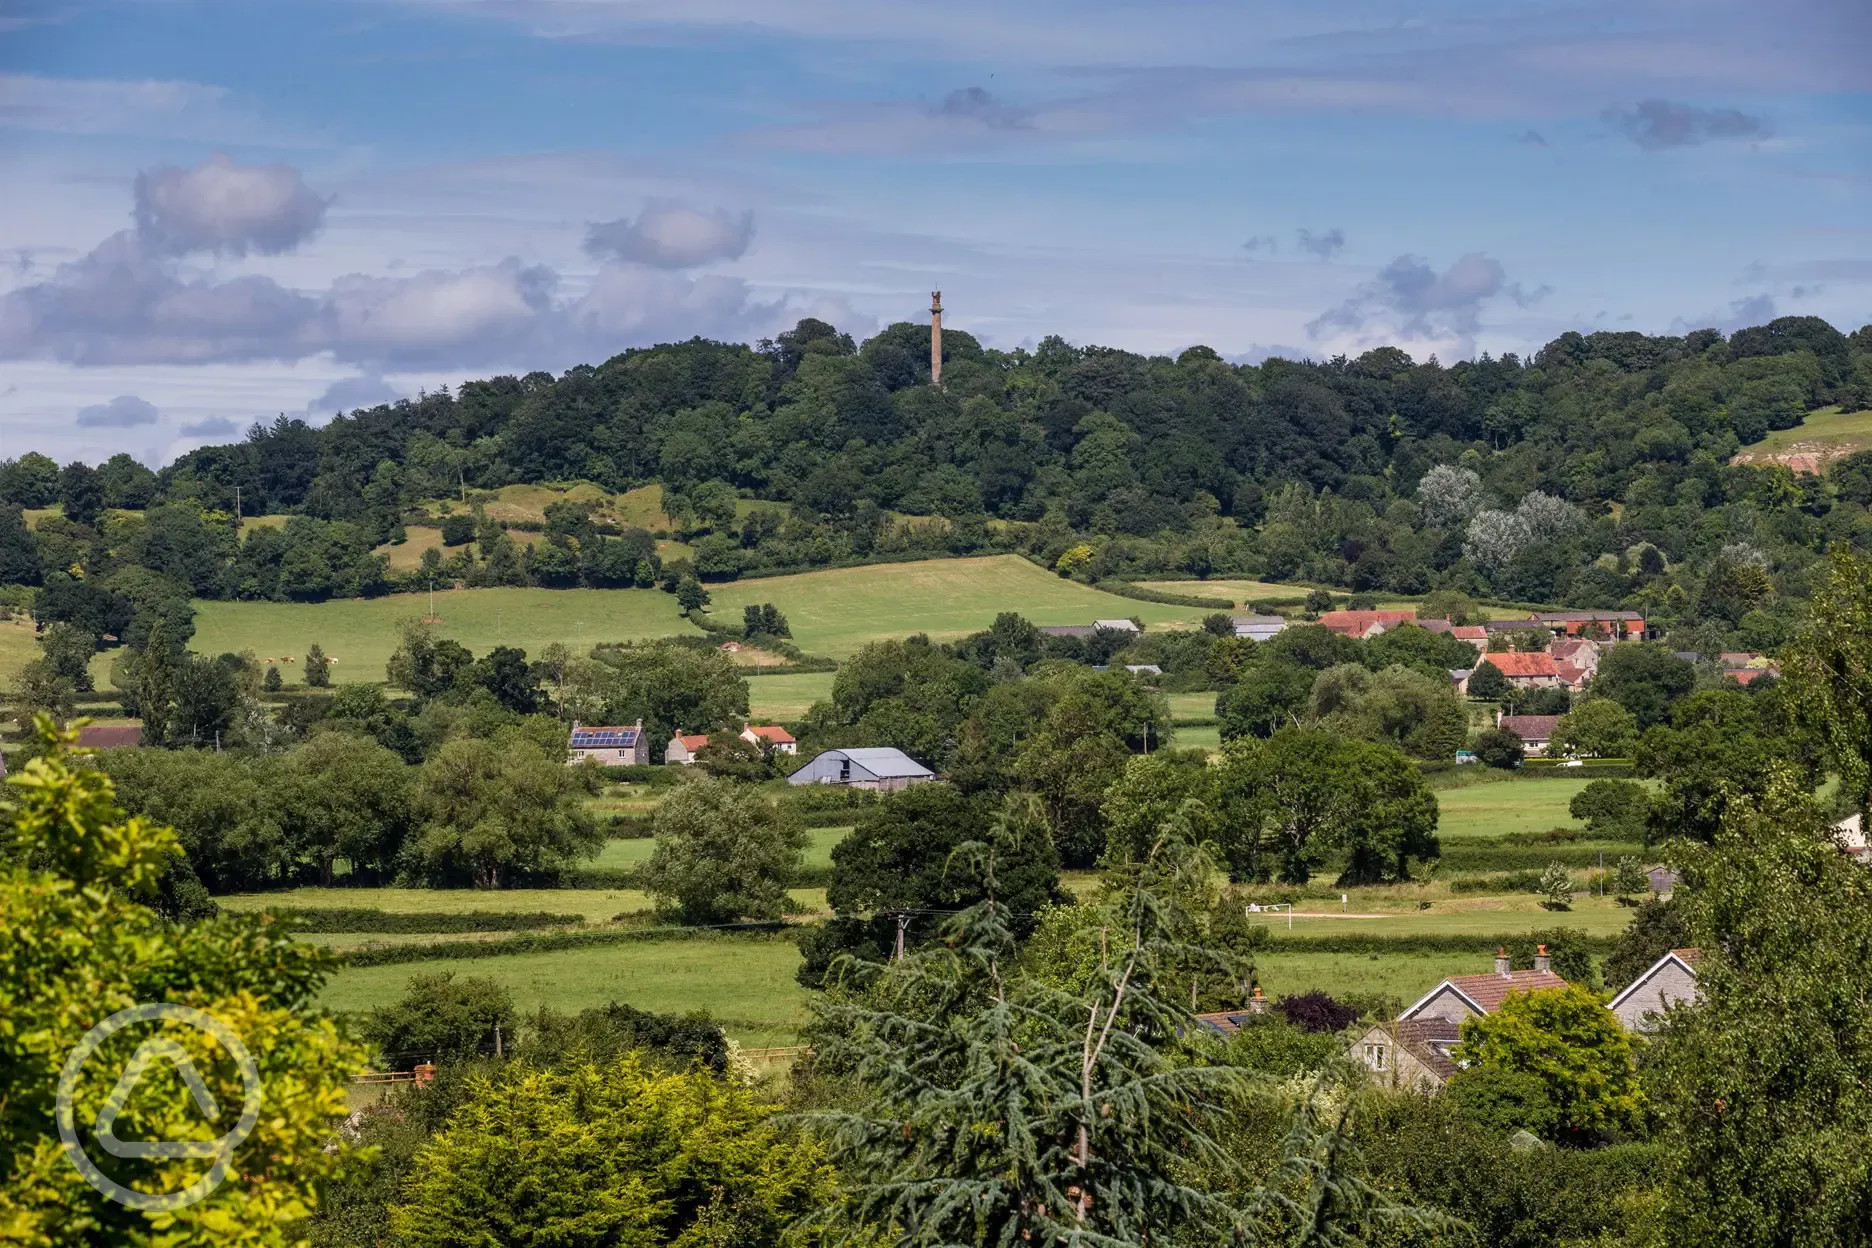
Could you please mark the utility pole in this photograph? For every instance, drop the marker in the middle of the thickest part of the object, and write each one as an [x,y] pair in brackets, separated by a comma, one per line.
[497,1041]
[903,921]
[237,506]
[935,337]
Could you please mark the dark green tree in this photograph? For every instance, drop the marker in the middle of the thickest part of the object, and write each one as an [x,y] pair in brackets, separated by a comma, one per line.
[81,493]
[1645,678]
[317,668]
[440,1018]
[1501,748]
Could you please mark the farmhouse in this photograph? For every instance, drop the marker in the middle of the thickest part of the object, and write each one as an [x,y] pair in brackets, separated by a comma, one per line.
[1535,731]
[878,768]
[1259,627]
[1525,669]
[1617,625]
[683,748]
[1669,980]
[1474,633]
[1366,624]
[614,746]
[770,735]
[1414,1051]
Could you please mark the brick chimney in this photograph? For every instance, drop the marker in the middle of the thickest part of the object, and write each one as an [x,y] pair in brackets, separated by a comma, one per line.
[1541,961]
[1257,1003]
[1501,961]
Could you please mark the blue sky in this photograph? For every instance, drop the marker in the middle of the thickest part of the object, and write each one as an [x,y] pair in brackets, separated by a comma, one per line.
[214,212]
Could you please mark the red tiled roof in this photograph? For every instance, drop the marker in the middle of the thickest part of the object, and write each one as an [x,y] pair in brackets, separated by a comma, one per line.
[1530,727]
[1489,991]
[771,732]
[1469,632]
[1522,663]
[692,741]
[1340,621]
[1571,674]
[110,736]
[1746,675]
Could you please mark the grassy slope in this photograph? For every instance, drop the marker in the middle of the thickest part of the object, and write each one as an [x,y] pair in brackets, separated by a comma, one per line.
[1828,429]
[360,633]
[833,613]
[746,984]
[836,612]
[18,647]
[787,697]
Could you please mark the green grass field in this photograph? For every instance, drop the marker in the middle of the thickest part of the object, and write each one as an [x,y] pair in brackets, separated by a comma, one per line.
[360,633]
[1198,737]
[19,646]
[745,984]
[834,613]
[787,697]
[1405,976]
[1506,806]
[636,850]
[1239,591]
[1827,430]
[1188,706]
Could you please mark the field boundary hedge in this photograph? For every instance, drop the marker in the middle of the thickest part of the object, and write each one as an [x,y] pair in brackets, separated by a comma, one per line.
[1125,589]
[1363,943]
[597,878]
[551,942]
[369,919]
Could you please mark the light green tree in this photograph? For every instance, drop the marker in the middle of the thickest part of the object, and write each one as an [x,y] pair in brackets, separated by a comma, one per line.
[1556,887]
[1597,728]
[77,944]
[609,1155]
[1578,1049]
[491,808]
[723,852]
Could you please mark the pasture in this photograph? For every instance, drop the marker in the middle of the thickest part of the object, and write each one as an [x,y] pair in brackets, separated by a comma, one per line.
[635,851]
[18,646]
[787,697]
[360,633]
[1506,806]
[836,612]
[744,982]
[833,613]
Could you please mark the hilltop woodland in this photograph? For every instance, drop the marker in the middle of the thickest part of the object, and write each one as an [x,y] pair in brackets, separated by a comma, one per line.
[1594,474]
[1030,1066]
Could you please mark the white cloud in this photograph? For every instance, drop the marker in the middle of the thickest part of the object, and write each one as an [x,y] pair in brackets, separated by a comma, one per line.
[221,206]
[672,235]
[126,411]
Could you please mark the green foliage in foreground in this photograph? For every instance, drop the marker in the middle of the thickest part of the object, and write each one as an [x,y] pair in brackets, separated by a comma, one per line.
[613,1154]
[77,944]
[1578,1052]
[1095,1122]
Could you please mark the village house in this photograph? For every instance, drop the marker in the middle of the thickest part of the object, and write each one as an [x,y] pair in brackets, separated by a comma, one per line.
[1472,633]
[1669,980]
[881,769]
[1363,625]
[770,736]
[1536,731]
[1582,652]
[1525,669]
[1614,625]
[683,748]
[1413,1052]
[613,746]
[1851,835]
[1259,627]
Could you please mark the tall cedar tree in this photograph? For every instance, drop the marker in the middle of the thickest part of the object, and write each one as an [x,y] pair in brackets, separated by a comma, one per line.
[1000,1111]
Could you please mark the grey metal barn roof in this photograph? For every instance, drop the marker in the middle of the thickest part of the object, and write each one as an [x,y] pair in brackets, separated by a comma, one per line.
[885,761]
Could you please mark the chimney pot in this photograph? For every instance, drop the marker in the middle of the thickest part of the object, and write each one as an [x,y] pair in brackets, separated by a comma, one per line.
[1501,961]
[1541,961]
[1257,1003]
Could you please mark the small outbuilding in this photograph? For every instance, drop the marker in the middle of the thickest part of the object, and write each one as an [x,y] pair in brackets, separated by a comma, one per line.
[878,768]
[770,736]
[1259,627]
[683,748]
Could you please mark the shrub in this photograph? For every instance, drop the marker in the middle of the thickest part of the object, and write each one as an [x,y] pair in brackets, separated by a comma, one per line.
[1316,1012]
[1499,748]
[1556,886]
[440,1018]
